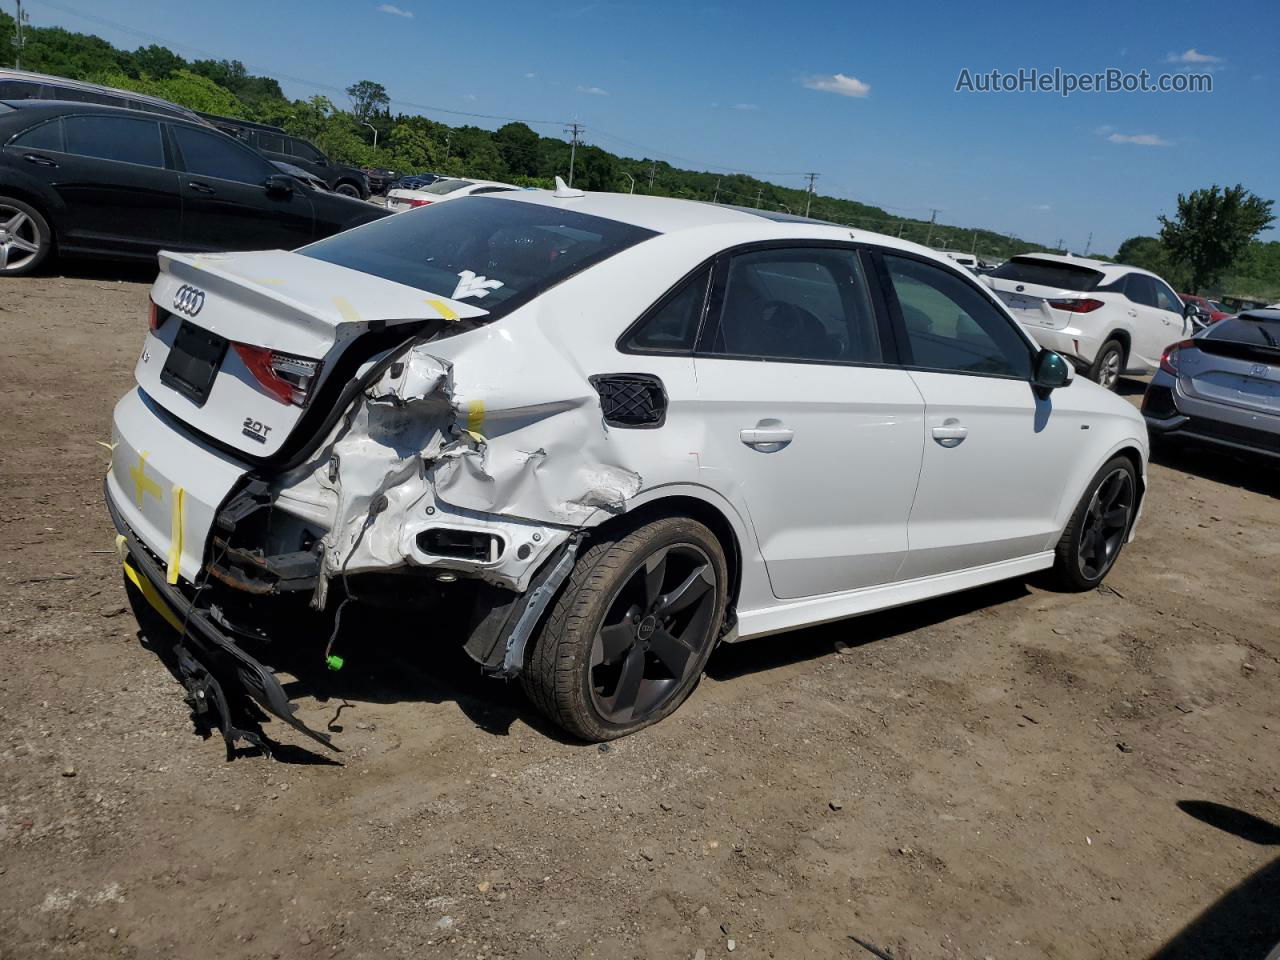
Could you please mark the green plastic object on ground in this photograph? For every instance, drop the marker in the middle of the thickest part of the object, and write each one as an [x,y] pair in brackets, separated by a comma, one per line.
[333,661]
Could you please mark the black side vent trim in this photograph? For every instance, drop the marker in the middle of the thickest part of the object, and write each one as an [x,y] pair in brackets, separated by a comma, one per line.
[633,400]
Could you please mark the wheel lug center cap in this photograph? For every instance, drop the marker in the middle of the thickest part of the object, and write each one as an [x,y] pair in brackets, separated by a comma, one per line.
[647,627]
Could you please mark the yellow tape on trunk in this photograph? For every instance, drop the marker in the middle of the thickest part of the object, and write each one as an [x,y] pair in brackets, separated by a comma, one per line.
[175,535]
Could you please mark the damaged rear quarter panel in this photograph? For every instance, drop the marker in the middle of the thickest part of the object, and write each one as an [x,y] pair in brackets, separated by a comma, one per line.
[499,429]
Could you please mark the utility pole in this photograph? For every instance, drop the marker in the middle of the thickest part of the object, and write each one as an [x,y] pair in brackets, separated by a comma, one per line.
[1058,246]
[974,248]
[573,130]
[933,218]
[447,136]
[715,198]
[17,54]
[1088,244]
[759,194]
[901,224]
[653,170]
[812,177]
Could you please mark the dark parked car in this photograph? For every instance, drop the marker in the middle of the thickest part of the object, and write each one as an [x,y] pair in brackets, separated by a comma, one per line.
[86,179]
[380,178]
[274,144]
[1222,386]
[22,85]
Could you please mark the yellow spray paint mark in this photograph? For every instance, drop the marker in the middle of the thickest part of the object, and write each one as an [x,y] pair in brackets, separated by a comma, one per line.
[346,310]
[444,310]
[175,535]
[475,419]
[152,596]
[142,484]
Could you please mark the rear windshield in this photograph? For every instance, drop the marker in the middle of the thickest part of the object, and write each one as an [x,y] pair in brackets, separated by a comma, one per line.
[1047,273]
[445,186]
[490,252]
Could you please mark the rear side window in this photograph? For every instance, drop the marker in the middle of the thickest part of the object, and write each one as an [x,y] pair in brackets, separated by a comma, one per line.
[19,90]
[672,326]
[1047,273]
[952,327]
[271,141]
[489,251]
[441,187]
[216,155]
[47,136]
[797,304]
[300,148]
[123,139]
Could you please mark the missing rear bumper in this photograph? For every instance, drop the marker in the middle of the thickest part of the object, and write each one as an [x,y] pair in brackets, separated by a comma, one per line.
[220,677]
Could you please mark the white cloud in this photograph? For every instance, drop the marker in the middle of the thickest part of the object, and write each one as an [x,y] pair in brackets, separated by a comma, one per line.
[838,83]
[1042,207]
[745,106]
[468,96]
[395,11]
[1192,56]
[531,76]
[594,91]
[1140,139]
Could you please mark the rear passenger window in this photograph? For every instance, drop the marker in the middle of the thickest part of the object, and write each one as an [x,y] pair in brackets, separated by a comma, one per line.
[271,141]
[672,326]
[950,326]
[47,136]
[114,138]
[797,304]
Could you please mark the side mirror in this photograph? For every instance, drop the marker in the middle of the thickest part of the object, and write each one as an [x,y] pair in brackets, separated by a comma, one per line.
[279,183]
[1191,310]
[1052,371]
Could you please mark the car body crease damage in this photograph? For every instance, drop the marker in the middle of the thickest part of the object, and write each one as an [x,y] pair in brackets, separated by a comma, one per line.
[420,450]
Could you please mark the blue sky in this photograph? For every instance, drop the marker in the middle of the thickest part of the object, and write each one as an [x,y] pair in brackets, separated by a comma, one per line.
[863,93]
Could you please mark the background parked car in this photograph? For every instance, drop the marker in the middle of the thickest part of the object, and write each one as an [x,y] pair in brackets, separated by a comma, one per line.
[401,199]
[380,178]
[21,85]
[416,181]
[1209,311]
[1108,318]
[274,144]
[103,181]
[1222,386]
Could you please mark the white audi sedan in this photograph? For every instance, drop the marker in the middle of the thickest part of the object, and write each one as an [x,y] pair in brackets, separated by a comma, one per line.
[401,199]
[613,430]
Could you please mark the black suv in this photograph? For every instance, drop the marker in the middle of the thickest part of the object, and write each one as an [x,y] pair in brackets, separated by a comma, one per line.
[105,181]
[274,144]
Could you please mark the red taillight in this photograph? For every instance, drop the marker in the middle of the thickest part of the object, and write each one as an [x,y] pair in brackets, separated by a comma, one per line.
[1169,359]
[419,203]
[155,316]
[287,378]
[1076,306]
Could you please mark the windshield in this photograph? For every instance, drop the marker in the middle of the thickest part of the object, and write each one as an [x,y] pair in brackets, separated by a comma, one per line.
[493,253]
[1047,273]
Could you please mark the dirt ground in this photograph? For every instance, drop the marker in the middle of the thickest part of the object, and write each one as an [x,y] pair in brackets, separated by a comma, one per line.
[1005,773]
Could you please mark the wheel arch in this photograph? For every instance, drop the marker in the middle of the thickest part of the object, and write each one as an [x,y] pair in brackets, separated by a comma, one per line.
[1125,339]
[698,504]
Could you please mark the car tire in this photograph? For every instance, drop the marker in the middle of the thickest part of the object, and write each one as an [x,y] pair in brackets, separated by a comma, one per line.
[347,190]
[1108,365]
[631,630]
[1098,527]
[26,240]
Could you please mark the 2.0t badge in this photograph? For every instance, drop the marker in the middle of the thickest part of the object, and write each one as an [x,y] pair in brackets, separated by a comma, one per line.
[188,300]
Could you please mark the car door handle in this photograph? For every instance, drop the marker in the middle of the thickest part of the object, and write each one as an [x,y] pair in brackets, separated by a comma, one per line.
[38,159]
[199,187]
[1133,313]
[950,434]
[773,438]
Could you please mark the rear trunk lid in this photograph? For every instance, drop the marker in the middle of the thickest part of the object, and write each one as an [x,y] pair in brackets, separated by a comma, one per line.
[1237,363]
[246,341]
[1029,287]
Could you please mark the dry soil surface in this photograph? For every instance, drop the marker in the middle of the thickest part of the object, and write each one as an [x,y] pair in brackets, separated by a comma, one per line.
[1007,773]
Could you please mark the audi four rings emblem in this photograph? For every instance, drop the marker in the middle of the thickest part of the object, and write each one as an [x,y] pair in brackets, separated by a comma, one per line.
[188,300]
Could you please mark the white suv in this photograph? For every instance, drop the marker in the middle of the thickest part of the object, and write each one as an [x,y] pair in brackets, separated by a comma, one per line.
[615,430]
[1108,318]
